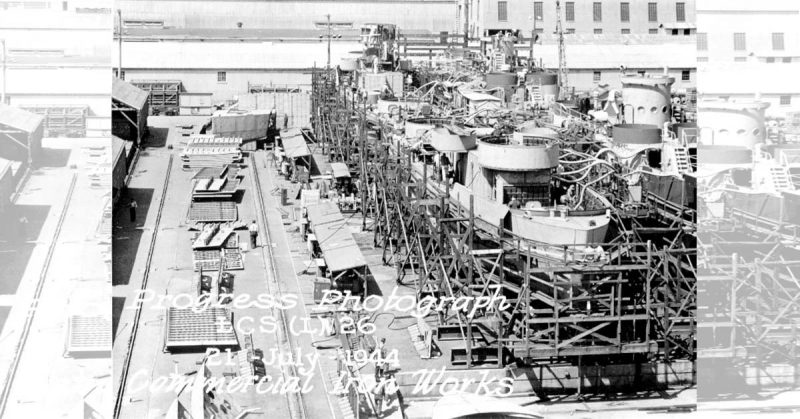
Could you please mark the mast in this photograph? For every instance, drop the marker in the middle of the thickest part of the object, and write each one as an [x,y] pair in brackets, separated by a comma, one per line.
[563,84]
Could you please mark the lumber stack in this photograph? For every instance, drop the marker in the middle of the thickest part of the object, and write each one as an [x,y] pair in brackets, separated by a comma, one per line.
[209,151]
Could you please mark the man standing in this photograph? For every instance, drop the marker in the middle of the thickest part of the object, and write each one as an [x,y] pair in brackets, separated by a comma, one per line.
[133,207]
[253,228]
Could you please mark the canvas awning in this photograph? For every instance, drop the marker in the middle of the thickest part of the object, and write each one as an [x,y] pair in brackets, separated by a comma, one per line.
[339,248]
[295,147]
[340,170]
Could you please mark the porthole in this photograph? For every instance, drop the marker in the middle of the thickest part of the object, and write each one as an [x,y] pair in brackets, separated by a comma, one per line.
[653,109]
[640,109]
[664,109]
[740,132]
[756,132]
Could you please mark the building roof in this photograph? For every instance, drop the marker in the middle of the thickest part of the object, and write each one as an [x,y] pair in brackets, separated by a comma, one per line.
[295,146]
[19,119]
[128,94]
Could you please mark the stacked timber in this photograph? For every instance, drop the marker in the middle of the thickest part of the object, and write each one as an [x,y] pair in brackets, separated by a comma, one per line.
[216,183]
[209,151]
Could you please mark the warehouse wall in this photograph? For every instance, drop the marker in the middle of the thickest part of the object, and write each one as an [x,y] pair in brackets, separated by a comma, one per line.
[433,15]
[205,81]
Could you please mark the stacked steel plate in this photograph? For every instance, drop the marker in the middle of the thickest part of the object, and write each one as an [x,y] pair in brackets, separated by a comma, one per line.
[209,151]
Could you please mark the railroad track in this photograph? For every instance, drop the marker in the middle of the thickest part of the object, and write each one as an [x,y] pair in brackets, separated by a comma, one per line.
[297,407]
[137,315]
[26,328]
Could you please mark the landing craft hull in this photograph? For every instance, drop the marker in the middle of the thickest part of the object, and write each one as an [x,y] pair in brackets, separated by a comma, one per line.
[556,230]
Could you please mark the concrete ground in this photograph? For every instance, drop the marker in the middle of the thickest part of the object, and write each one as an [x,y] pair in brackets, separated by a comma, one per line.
[48,384]
[171,273]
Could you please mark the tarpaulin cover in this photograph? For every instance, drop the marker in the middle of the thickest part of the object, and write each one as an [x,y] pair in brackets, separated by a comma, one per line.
[339,248]
[295,147]
[340,170]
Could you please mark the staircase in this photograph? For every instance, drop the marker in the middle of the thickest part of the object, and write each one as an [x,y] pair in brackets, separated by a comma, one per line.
[781,180]
[682,160]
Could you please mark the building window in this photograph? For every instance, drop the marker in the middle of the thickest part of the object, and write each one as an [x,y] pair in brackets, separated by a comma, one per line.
[598,31]
[702,42]
[702,59]
[680,12]
[222,77]
[597,11]
[538,11]
[740,59]
[625,12]
[122,75]
[652,31]
[641,73]
[502,11]
[652,12]
[786,100]
[674,32]
[686,75]
[570,31]
[777,41]
[626,31]
[770,60]
[596,76]
[570,11]
[739,41]
[785,60]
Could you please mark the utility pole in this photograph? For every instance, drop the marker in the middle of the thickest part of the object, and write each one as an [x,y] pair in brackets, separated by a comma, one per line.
[329,40]
[119,35]
[466,22]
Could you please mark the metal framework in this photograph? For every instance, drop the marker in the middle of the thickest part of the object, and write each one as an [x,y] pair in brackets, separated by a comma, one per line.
[749,322]
[637,301]
[163,93]
[62,120]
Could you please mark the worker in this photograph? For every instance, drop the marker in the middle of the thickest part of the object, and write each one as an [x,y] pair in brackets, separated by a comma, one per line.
[514,203]
[253,228]
[133,205]
[380,364]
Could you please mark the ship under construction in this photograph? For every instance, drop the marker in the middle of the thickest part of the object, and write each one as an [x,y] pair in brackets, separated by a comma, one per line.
[567,218]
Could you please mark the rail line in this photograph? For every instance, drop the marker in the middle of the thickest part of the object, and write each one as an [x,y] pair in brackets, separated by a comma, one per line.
[296,403]
[135,326]
[34,303]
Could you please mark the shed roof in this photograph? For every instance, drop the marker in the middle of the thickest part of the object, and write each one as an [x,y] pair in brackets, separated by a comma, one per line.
[19,119]
[296,146]
[339,248]
[340,169]
[128,94]
[117,149]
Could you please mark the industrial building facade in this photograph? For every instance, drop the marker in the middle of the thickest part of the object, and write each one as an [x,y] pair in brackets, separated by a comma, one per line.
[606,17]
[738,59]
